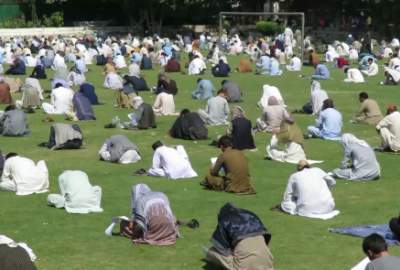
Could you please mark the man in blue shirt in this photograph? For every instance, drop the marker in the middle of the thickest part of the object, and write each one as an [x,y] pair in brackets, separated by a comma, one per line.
[204,90]
[321,72]
[328,124]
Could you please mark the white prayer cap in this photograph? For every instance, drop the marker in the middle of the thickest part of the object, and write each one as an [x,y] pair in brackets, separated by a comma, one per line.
[136,102]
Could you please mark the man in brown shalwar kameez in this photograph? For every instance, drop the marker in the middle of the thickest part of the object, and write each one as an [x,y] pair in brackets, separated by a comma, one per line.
[234,163]
[5,94]
[369,111]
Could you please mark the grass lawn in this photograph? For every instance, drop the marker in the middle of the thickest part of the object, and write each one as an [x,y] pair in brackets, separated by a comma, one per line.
[76,242]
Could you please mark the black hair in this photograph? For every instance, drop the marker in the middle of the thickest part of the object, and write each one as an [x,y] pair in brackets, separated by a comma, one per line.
[58,85]
[328,103]
[198,80]
[374,243]
[184,111]
[222,91]
[363,95]
[156,145]
[10,108]
[10,155]
[225,141]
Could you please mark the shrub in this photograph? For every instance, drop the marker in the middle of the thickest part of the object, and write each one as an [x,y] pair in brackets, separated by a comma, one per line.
[56,19]
[268,27]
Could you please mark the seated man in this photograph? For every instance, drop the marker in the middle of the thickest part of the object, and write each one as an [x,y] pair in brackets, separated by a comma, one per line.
[17,68]
[172,163]
[328,124]
[119,61]
[354,75]
[268,91]
[5,93]
[359,162]
[13,122]
[39,72]
[321,72]
[389,130]
[240,241]
[394,225]
[235,167]
[392,76]
[372,70]
[153,221]
[77,196]
[64,136]
[273,115]
[313,58]
[172,66]
[32,94]
[14,255]
[119,148]
[295,64]
[61,100]
[307,193]
[221,69]
[164,104]
[274,69]
[87,89]
[82,108]
[146,63]
[144,116]
[196,66]
[166,84]
[244,66]
[289,134]
[23,176]
[113,81]
[217,110]
[204,90]
[263,65]
[369,111]
[137,82]
[375,247]
[317,99]
[240,130]
[189,126]
[232,90]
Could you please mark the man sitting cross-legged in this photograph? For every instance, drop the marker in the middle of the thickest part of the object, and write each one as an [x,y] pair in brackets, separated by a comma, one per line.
[235,167]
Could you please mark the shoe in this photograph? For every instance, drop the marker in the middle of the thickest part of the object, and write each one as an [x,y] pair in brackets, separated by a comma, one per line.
[29,110]
[204,183]
[214,143]
[48,119]
[193,224]
[267,158]
[43,144]
[378,149]
[110,125]
[140,172]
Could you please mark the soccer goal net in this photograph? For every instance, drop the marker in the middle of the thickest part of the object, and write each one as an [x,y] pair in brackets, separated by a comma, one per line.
[288,27]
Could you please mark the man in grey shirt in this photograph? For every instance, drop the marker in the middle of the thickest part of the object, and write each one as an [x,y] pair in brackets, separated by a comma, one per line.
[217,110]
[376,249]
[232,90]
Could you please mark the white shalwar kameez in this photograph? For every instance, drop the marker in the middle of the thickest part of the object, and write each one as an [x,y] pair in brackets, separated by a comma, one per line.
[354,75]
[307,194]
[171,163]
[61,101]
[196,66]
[77,194]
[23,176]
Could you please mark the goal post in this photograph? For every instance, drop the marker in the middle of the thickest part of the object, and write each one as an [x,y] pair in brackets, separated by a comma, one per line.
[223,15]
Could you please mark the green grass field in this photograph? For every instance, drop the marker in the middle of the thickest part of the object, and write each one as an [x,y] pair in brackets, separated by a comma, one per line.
[76,242]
